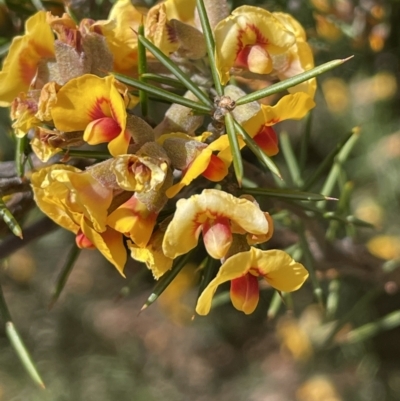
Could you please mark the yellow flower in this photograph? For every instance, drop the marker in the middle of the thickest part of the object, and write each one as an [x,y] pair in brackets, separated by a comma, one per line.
[24,56]
[79,203]
[96,106]
[212,213]
[119,30]
[203,162]
[243,270]
[152,254]
[297,59]
[134,220]
[259,127]
[46,142]
[293,107]
[249,39]
[139,173]
[23,113]
[182,10]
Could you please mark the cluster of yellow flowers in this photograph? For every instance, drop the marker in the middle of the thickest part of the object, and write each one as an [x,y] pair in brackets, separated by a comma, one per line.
[56,78]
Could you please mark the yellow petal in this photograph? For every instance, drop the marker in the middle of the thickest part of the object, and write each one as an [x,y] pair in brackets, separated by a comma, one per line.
[48,196]
[110,244]
[195,169]
[24,55]
[119,31]
[279,269]
[158,29]
[153,255]
[182,10]
[234,267]
[134,220]
[66,195]
[293,107]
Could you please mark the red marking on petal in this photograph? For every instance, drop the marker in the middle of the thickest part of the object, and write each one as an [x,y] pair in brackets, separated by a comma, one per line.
[216,169]
[267,140]
[245,293]
[242,57]
[243,37]
[100,109]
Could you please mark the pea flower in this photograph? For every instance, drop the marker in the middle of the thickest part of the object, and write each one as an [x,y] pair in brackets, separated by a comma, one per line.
[165,28]
[195,158]
[249,39]
[259,127]
[214,214]
[297,59]
[134,220]
[93,105]
[25,55]
[79,203]
[243,271]
[119,31]
[152,254]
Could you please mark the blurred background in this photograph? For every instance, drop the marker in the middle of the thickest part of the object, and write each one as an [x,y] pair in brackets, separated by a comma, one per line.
[94,345]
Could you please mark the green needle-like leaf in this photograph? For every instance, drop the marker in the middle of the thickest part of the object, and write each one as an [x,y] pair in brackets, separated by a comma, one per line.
[290,159]
[167,278]
[337,166]
[288,83]
[9,219]
[363,303]
[286,194]
[369,330]
[17,343]
[208,35]
[163,94]
[342,209]
[261,156]
[168,63]
[142,69]
[235,149]
[64,274]
[23,354]
[162,80]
